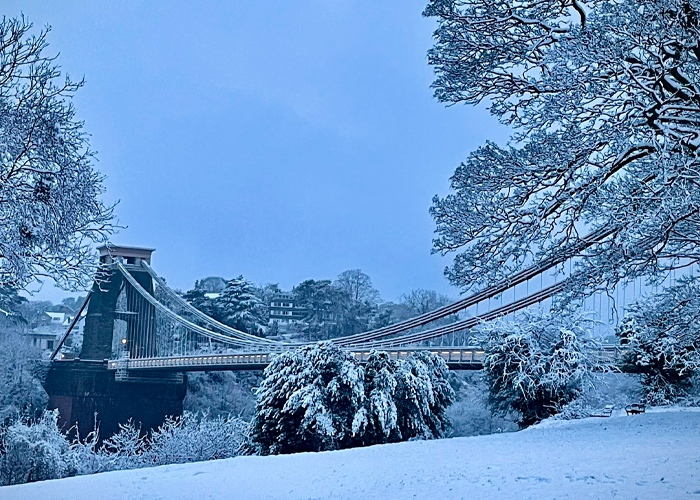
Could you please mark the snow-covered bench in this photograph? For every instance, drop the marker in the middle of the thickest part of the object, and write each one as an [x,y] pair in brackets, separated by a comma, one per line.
[635,408]
[605,412]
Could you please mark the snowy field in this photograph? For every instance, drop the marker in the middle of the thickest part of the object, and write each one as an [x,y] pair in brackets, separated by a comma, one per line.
[654,456]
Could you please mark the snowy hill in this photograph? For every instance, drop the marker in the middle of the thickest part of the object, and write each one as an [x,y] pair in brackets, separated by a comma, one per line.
[654,456]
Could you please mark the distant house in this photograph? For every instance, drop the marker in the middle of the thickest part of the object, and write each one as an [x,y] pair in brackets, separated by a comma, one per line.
[50,327]
[285,310]
[62,308]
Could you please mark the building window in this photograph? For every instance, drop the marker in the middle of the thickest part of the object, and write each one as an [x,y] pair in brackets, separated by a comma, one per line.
[49,344]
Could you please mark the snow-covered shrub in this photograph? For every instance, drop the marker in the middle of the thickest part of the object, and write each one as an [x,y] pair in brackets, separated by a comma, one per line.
[661,336]
[34,450]
[404,399]
[574,410]
[320,398]
[538,364]
[124,450]
[21,374]
[193,438]
[377,420]
[308,401]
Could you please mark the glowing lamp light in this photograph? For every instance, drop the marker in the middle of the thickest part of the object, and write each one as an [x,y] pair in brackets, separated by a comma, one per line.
[123,341]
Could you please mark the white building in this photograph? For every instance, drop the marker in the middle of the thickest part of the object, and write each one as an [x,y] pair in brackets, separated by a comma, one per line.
[51,326]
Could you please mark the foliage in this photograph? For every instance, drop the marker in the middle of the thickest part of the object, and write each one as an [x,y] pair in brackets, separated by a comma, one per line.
[603,100]
[21,376]
[10,306]
[234,302]
[50,208]
[35,450]
[307,401]
[538,364]
[191,439]
[378,418]
[241,307]
[222,393]
[661,335]
[320,398]
[423,395]
[205,302]
[325,305]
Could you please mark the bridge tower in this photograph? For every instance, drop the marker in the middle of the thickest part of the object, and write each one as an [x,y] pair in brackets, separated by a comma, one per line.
[82,389]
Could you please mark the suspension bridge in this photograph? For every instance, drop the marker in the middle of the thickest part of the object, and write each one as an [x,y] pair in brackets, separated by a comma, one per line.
[138,323]
[137,329]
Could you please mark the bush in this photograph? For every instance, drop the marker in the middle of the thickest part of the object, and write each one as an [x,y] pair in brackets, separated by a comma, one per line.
[320,398]
[34,450]
[192,439]
[662,340]
[307,401]
[423,395]
[538,365]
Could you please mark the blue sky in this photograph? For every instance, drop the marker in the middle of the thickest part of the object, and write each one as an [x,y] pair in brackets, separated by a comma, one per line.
[279,140]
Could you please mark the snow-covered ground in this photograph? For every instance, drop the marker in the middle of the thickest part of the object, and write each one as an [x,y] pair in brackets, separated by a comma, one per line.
[654,456]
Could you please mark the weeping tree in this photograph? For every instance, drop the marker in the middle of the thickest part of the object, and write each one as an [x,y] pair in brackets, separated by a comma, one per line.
[50,207]
[604,101]
[307,401]
[538,364]
[320,398]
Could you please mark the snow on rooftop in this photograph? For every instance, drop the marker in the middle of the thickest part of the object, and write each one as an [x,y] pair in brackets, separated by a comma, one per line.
[651,456]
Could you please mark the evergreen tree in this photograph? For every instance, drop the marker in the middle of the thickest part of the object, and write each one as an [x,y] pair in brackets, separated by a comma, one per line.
[307,401]
[377,421]
[241,308]
[320,398]
[423,395]
[203,300]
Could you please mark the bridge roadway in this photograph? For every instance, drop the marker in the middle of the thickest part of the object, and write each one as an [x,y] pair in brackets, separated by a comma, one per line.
[457,358]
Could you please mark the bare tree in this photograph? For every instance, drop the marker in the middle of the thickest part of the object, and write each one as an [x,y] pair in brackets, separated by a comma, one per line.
[358,286]
[423,301]
[50,208]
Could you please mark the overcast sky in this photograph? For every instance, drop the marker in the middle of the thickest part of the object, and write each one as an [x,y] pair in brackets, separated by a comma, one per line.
[279,140]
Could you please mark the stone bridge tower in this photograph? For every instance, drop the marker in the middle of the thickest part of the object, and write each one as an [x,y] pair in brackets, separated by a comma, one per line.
[82,389]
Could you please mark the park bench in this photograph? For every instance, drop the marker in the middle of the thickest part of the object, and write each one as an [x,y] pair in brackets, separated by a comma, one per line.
[604,413]
[635,408]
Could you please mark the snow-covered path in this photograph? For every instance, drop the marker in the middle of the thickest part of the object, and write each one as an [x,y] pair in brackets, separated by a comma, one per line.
[654,456]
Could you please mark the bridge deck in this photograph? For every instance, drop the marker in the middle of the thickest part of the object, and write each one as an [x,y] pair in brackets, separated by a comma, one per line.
[457,358]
